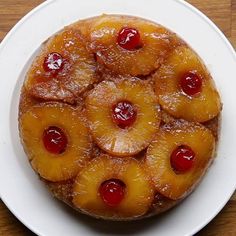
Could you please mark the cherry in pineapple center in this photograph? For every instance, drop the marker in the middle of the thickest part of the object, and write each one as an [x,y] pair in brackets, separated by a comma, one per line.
[53,62]
[129,39]
[124,114]
[191,83]
[112,192]
[182,159]
[54,140]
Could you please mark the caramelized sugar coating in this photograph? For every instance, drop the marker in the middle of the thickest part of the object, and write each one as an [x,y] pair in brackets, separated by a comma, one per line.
[52,166]
[106,133]
[105,155]
[138,191]
[155,43]
[69,75]
[200,107]
[179,133]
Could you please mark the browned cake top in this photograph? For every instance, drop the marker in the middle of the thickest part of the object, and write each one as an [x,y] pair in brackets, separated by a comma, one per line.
[119,117]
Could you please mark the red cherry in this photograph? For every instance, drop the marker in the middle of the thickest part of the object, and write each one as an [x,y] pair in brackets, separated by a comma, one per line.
[182,159]
[129,39]
[54,140]
[53,62]
[112,192]
[124,114]
[191,83]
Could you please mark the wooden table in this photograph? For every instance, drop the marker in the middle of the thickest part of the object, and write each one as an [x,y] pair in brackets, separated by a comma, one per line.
[222,12]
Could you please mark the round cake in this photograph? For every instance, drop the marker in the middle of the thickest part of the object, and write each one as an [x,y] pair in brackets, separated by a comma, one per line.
[119,117]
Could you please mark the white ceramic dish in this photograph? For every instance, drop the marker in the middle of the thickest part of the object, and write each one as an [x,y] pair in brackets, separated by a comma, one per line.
[20,188]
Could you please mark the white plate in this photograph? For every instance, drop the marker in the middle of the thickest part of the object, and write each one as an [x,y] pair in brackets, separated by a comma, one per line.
[20,188]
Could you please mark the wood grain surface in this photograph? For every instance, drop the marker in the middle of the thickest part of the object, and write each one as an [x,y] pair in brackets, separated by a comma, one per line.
[222,12]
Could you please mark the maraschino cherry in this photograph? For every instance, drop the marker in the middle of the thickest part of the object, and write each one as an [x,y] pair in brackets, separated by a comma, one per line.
[54,140]
[191,83]
[182,159]
[129,39]
[112,192]
[53,62]
[124,114]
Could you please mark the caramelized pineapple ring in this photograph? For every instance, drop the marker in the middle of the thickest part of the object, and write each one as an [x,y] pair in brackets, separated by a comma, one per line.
[138,193]
[200,107]
[201,146]
[44,129]
[123,116]
[63,69]
[127,45]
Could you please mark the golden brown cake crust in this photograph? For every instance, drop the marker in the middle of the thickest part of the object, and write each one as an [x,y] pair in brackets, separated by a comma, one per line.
[63,190]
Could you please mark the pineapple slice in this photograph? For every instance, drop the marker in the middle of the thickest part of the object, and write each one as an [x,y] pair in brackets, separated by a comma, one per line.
[123,116]
[127,45]
[178,157]
[136,199]
[64,68]
[56,140]
[203,103]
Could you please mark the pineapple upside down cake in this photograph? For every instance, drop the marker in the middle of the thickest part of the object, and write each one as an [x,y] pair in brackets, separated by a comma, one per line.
[119,117]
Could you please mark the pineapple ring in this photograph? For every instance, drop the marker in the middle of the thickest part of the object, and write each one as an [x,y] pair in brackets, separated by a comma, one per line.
[170,136]
[199,108]
[108,136]
[77,74]
[55,167]
[138,192]
[156,43]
